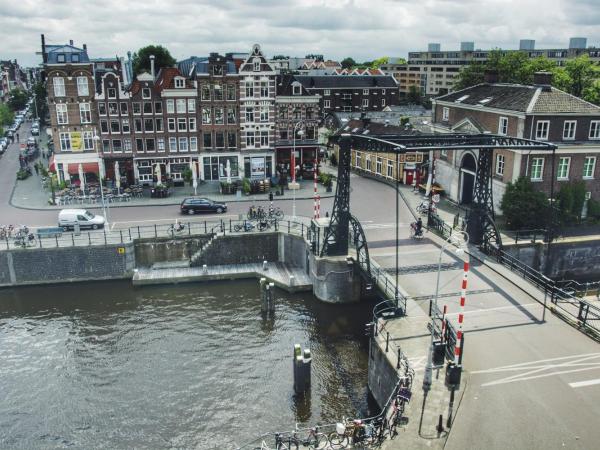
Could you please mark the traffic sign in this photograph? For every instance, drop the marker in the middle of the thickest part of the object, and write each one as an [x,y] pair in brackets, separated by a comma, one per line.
[435,198]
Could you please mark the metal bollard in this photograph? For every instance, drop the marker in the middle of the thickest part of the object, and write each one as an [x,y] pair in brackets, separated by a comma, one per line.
[204,269]
[264,265]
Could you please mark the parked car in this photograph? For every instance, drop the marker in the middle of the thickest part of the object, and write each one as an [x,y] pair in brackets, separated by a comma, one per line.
[35,131]
[30,141]
[308,170]
[193,205]
[67,218]
[3,145]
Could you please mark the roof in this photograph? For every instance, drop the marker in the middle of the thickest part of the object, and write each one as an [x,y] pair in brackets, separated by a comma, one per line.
[520,98]
[72,54]
[367,127]
[345,81]
[166,76]
[284,86]
[199,64]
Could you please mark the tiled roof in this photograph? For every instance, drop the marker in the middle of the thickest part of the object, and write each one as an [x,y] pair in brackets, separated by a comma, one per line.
[284,86]
[166,76]
[560,102]
[345,81]
[359,126]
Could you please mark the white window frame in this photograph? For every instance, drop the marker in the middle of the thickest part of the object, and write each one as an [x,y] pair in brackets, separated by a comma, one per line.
[326,103]
[365,92]
[193,144]
[88,140]
[264,113]
[85,113]
[542,130]
[327,92]
[357,160]
[82,86]
[500,164]
[125,126]
[170,106]
[181,124]
[173,144]
[368,163]
[569,130]
[171,125]
[192,124]
[191,104]
[390,169]
[445,114]
[503,126]
[65,142]
[179,83]
[160,145]
[144,91]
[378,165]
[62,114]
[535,166]
[264,139]
[180,106]
[256,63]
[183,144]
[383,102]
[250,139]
[127,145]
[594,129]
[59,86]
[560,175]
[365,102]
[112,91]
[206,116]
[586,166]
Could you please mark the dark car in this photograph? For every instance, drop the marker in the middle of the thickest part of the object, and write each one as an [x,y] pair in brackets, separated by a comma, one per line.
[193,205]
[308,171]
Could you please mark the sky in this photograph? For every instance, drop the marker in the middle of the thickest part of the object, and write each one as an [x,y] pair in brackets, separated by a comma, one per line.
[362,29]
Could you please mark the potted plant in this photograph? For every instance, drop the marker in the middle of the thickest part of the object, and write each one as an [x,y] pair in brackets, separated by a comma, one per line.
[188,176]
[246,186]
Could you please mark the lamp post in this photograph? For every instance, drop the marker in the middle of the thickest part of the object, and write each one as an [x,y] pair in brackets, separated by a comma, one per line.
[104,207]
[458,239]
[293,185]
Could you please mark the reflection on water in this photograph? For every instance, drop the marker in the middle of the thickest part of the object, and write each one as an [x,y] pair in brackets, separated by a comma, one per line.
[104,365]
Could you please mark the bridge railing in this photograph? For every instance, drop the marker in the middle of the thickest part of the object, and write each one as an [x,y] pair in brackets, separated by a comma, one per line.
[387,285]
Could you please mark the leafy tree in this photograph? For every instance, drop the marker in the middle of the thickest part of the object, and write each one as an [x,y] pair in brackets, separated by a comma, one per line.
[470,76]
[414,94]
[17,99]
[523,207]
[41,105]
[348,63]
[141,59]
[6,115]
[570,201]
[592,93]
[377,63]
[582,74]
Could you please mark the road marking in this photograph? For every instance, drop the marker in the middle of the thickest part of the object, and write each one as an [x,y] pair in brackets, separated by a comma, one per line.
[177,218]
[482,310]
[585,383]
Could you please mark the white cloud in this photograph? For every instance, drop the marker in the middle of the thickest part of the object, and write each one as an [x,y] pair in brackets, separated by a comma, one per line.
[363,29]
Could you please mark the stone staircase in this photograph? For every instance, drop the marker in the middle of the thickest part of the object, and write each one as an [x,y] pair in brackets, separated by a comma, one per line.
[198,254]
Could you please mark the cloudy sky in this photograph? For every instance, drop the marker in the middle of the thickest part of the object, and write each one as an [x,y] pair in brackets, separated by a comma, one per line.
[363,29]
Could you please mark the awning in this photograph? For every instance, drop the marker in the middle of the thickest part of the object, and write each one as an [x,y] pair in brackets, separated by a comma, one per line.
[87,168]
[51,164]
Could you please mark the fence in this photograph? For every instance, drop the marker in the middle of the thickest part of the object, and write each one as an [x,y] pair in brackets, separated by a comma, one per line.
[387,286]
[446,333]
[126,235]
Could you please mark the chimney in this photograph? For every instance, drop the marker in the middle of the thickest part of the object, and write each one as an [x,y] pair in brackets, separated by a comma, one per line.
[543,80]
[152,66]
[44,56]
[71,42]
[85,47]
[490,76]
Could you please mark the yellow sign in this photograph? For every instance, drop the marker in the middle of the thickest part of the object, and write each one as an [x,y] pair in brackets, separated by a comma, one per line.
[121,250]
[76,142]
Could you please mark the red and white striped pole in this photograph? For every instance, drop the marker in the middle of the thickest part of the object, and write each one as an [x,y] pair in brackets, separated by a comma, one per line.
[318,206]
[461,314]
[316,212]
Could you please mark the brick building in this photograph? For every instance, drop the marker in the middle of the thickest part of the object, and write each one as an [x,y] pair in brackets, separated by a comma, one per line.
[538,112]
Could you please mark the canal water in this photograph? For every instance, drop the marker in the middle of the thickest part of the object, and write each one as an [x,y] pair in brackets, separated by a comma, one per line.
[106,365]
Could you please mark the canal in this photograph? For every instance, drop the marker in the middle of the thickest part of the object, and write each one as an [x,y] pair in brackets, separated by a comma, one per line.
[105,365]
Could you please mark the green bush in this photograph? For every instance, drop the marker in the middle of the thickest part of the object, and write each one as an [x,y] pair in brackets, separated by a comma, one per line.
[570,201]
[22,174]
[326,179]
[188,176]
[523,207]
[246,185]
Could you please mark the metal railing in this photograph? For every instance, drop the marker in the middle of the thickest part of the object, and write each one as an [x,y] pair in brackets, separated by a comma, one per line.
[443,330]
[531,235]
[387,285]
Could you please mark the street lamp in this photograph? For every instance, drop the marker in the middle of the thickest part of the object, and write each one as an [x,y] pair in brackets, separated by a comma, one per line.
[104,206]
[459,239]
[293,185]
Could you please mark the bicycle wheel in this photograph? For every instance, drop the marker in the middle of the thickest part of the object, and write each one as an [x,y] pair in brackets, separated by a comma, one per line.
[279,214]
[237,228]
[337,440]
[319,442]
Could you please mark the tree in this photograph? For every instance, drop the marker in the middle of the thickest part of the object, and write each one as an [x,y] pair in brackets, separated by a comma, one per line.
[414,94]
[40,103]
[377,63]
[348,63]
[162,58]
[6,115]
[592,93]
[582,74]
[470,76]
[570,200]
[17,99]
[523,207]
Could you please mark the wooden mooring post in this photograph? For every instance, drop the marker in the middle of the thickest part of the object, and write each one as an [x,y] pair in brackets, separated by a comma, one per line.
[301,366]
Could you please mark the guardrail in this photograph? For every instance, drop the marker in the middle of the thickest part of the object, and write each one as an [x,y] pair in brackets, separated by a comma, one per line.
[388,287]
[531,235]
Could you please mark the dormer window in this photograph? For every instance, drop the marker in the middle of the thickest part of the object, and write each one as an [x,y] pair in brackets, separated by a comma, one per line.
[112,93]
[146,93]
[256,64]
[217,70]
[179,83]
[61,58]
[75,57]
[297,89]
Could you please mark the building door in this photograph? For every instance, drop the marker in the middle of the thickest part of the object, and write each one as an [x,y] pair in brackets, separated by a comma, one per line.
[468,168]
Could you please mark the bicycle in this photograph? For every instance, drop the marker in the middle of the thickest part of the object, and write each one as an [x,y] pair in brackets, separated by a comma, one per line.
[275,212]
[246,226]
[25,240]
[414,234]
[350,431]
[292,442]
[255,212]
[316,440]
[175,228]
[423,208]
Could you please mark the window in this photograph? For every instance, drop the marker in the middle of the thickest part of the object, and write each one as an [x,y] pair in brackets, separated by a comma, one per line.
[250,139]
[249,89]
[59,87]
[588,167]
[283,135]
[205,92]
[231,92]
[297,113]
[160,144]
[159,125]
[219,118]
[569,130]
[537,169]
[219,139]
[61,114]
[217,70]
[65,141]
[181,124]
[563,168]
[146,93]
[124,108]
[82,86]
[147,107]
[365,92]
[368,161]
[445,114]
[179,83]
[595,129]
[139,145]
[173,144]
[365,103]
[383,102]
[309,112]
[117,146]
[125,126]
[112,93]
[347,108]
[327,92]
[256,64]
[104,126]
[264,113]
[150,145]
[264,88]
[205,115]
[127,145]
[148,125]
[158,107]
[503,126]
[207,139]
[113,108]
[61,58]
[85,113]
[193,144]
[500,165]
[249,114]
[137,125]
[115,126]
[106,145]
[192,124]
[136,107]
[180,106]
[218,92]
[231,139]
[88,140]
[231,116]
[541,129]
[183,144]
[326,103]
[102,109]
[297,89]
[171,124]
[170,106]
[358,160]
[264,138]
[310,133]
[390,169]
[191,105]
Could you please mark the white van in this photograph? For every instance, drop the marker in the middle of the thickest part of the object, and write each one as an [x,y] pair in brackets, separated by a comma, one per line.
[67,219]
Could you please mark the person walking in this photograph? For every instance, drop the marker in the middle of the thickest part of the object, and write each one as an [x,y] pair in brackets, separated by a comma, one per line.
[18,137]
[37,169]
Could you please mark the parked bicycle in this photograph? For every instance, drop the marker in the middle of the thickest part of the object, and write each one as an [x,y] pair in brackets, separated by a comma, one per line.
[316,440]
[176,228]
[246,226]
[255,213]
[25,240]
[6,231]
[351,432]
[423,208]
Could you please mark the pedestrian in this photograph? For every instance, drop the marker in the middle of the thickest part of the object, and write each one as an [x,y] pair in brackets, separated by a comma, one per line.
[37,170]
[18,137]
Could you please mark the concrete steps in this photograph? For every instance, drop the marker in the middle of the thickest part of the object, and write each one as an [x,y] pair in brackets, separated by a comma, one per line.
[198,254]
